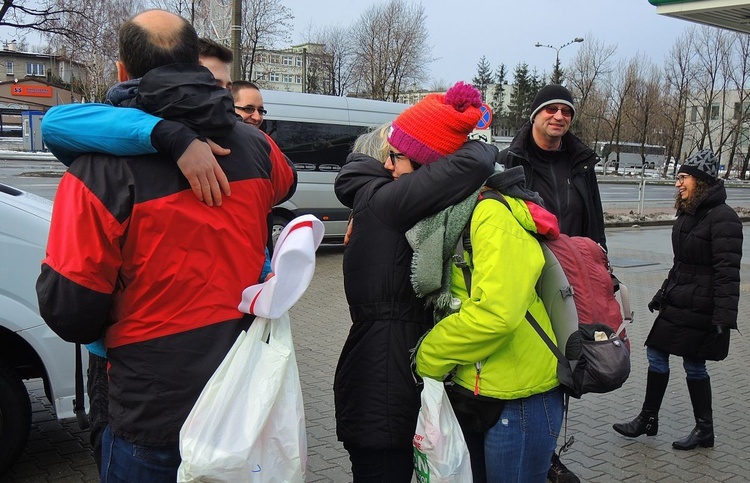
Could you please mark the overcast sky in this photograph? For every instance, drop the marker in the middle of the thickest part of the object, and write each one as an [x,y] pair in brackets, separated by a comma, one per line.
[505,31]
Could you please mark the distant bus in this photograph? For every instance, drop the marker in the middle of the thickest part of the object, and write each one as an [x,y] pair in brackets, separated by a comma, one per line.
[630,155]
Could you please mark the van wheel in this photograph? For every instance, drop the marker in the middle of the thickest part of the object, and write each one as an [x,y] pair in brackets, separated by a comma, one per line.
[15,417]
[279,222]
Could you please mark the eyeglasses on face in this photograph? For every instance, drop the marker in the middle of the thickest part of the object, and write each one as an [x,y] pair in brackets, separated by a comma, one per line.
[250,110]
[395,156]
[552,110]
[681,178]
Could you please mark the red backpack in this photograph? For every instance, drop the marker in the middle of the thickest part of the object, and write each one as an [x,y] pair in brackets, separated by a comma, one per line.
[578,290]
[578,267]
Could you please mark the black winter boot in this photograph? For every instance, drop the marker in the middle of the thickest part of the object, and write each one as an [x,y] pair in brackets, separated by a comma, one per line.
[703,432]
[647,422]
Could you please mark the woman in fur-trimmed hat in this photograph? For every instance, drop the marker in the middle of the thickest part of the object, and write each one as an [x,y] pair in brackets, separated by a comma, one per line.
[697,303]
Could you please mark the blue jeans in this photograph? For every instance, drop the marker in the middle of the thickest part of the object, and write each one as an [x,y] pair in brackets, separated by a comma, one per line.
[519,447]
[658,361]
[124,462]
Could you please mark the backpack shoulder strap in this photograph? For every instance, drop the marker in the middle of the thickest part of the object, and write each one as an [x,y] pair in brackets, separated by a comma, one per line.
[464,244]
[464,240]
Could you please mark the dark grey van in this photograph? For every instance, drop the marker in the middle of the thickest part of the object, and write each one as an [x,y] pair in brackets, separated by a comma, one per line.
[317,133]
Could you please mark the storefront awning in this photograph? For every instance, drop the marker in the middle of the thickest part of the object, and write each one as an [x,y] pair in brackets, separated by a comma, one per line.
[728,14]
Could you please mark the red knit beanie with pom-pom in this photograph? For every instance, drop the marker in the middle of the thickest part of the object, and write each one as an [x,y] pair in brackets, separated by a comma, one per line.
[437,125]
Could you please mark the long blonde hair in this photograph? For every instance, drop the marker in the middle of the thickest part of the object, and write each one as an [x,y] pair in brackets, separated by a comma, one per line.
[374,143]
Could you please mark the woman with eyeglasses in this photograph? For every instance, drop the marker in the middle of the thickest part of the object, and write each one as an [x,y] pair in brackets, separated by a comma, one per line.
[697,303]
[420,166]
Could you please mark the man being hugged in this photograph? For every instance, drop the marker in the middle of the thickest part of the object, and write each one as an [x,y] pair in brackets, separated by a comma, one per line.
[132,255]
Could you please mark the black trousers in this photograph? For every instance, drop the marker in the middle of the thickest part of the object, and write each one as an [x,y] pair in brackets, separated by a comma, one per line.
[97,387]
[381,465]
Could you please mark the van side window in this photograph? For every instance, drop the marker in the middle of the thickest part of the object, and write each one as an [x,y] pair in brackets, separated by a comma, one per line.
[313,146]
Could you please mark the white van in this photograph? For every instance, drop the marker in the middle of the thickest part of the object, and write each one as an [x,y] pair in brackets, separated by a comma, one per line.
[28,348]
[317,133]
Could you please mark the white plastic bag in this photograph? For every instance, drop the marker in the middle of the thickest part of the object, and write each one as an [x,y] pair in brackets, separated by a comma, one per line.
[248,424]
[440,452]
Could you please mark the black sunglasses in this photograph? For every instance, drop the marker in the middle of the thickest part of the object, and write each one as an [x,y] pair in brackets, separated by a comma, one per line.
[250,110]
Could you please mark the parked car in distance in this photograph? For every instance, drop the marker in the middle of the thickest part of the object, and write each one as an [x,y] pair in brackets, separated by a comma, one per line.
[28,348]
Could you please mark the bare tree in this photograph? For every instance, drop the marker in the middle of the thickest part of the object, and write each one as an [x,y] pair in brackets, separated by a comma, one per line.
[42,16]
[596,126]
[646,94]
[265,24]
[591,64]
[677,91]
[95,45]
[336,66]
[738,71]
[710,46]
[437,85]
[620,101]
[390,44]
[210,18]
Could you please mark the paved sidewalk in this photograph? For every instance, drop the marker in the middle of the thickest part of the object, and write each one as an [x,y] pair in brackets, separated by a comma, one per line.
[58,452]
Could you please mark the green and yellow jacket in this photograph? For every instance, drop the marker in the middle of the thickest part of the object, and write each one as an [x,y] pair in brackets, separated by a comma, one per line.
[494,351]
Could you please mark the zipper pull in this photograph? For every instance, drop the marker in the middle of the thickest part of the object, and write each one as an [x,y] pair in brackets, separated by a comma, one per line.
[476,380]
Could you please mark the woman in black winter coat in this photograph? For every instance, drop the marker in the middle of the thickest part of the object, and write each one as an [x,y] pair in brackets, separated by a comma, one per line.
[376,396]
[698,301]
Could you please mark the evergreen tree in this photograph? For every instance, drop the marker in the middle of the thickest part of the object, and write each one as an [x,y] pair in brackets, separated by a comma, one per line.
[499,115]
[525,87]
[483,79]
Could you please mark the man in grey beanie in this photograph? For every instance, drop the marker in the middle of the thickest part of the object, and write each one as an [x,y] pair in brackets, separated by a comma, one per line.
[560,167]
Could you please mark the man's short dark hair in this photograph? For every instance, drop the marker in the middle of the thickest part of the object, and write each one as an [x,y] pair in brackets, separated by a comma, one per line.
[142,50]
[209,48]
[237,86]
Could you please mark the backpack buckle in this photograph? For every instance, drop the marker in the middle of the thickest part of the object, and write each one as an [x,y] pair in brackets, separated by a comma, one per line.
[459,261]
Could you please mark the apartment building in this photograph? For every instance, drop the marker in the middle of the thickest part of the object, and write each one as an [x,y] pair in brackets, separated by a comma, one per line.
[721,123]
[17,65]
[32,81]
[300,68]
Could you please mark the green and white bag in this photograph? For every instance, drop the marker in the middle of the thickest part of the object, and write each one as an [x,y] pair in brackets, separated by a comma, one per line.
[440,452]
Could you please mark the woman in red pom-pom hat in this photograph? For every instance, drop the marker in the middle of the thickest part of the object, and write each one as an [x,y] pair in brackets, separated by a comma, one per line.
[430,166]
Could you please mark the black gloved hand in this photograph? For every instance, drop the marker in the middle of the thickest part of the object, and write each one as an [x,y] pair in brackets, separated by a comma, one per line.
[656,301]
[653,305]
[719,329]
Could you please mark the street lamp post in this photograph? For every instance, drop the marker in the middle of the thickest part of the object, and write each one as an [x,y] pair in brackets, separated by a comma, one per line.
[557,73]
[236,39]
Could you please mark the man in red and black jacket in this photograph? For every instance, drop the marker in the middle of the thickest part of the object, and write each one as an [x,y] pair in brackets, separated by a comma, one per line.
[134,256]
